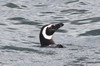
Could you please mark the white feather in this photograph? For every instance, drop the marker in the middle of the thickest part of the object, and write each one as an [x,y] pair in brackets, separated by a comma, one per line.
[44,32]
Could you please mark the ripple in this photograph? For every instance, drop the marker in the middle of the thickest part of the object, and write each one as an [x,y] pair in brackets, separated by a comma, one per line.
[40,5]
[16,18]
[76,64]
[91,33]
[74,11]
[2,24]
[27,49]
[24,21]
[61,31]
[31,36]
[24,6]
[12,5]
[71,1]
[82,3]
[27,42]
[47,12]
[57,17]
[35,42]
[63,21]
[82,59]
[12,28]
[93,62]
[85,21]
[97,52]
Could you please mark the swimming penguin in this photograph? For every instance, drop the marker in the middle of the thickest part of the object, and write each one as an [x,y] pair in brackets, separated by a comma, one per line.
[46,34]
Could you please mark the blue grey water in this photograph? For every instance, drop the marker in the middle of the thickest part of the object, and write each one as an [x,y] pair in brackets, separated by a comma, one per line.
[20,23]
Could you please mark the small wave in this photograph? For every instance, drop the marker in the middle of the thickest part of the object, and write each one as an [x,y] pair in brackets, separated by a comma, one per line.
[61,31]
[71,1]
[28,49]
[2,24]
[47,12]
[24,21]
[40,5]
[74,11]
[12,28]
[84,21]
[31,36]
[82,3]
[94,62]
[63,21]
[91,33]
[82,59]
[12,5]
[16,18]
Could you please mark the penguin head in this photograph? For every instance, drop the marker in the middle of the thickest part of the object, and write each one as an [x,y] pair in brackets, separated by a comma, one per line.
[47,32]
[50,29]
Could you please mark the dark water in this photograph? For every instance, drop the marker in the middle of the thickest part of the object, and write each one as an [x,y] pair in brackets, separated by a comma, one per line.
[20,23]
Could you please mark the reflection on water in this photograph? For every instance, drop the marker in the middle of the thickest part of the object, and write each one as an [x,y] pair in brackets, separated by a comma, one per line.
[20,23]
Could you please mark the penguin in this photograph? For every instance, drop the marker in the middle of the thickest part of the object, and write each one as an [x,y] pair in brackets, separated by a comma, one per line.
[46,35]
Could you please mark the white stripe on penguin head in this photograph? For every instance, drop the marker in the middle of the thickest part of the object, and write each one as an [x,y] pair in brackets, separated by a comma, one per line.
[44,32]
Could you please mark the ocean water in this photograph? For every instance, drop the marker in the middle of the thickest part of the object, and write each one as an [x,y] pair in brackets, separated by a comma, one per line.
[20,24]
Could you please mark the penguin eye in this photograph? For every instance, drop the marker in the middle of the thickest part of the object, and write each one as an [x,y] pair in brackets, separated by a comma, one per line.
[52,26]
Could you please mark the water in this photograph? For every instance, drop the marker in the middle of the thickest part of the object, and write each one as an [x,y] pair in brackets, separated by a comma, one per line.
[20,23]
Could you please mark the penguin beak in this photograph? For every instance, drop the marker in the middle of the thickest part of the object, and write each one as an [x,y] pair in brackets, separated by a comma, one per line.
[56,26]
[53,28]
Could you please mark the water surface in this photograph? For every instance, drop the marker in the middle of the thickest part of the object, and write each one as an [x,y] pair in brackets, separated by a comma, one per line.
[20,23]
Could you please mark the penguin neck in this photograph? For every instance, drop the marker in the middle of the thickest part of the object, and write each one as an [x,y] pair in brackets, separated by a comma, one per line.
[46,42]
